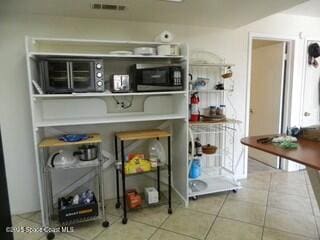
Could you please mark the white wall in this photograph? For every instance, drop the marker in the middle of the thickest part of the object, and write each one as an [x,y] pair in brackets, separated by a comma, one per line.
[14,115]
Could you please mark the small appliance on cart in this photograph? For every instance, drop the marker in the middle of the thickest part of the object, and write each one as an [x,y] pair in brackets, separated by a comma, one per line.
[211,133]
[82,207]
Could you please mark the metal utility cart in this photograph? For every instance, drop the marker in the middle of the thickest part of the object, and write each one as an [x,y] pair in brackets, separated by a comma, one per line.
[49,209]
[213,83]
[120,169]
[218,169]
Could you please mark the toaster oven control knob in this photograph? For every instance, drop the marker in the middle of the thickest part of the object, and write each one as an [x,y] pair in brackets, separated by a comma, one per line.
[100,83]
[99,66]
[99,74]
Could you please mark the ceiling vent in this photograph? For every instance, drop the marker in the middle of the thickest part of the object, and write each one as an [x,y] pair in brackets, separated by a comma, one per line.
[112,7]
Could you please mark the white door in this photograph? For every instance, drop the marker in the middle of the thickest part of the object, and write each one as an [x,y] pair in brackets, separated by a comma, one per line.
[267,70]
[310,109]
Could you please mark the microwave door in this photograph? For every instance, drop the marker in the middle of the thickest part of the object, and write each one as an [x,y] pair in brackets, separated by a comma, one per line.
[155,77]
[57,79]
[82,76]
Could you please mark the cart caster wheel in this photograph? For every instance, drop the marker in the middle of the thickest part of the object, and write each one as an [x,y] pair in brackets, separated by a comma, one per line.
[50,236]
[169,211]
[235,190]
[194,198]
[105,224]
[118,204]
[124,221]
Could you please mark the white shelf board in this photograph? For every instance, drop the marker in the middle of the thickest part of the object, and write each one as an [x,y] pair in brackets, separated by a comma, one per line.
[36,40]
[216,184]
[203,123]
[105,94]
[212,65]
[100,55]
[111,118]
[78,164]
[211,91]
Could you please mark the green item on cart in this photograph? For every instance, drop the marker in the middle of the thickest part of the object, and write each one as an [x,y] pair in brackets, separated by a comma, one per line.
[288,145]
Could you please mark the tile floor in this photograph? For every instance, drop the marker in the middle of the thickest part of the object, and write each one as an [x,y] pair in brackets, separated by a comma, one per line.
[272,205]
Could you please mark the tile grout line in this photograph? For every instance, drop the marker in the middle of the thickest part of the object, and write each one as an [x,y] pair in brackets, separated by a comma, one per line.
[265,214]
[181,234]
[160,227]
[312,209]
[210,228]
[105,229]
[296,234]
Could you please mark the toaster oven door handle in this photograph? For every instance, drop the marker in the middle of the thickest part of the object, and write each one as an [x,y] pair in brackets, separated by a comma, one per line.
[70,75]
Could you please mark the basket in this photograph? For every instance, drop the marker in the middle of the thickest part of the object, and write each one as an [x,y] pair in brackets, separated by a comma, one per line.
[78,213]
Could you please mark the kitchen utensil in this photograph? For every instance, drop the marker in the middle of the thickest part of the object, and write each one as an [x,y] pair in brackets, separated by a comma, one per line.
[211,114]
[201,83]
[213,118]
[219,111]
[219,86]
[62,158]
[73,137]
[168,50]
[120,83]
[153,77]
[121,52]
[144,51]
[175,50]
[197,145]
[87,152]
[228,73]
[212,110]
[209,149]
[164,50]
[71,75]
[190,81]
[197,185]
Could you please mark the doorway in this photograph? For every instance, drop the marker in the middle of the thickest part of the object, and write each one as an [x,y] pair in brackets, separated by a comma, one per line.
[269,72]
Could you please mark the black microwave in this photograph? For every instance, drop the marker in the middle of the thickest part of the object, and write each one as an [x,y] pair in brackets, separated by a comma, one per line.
[68,75]
[157,77]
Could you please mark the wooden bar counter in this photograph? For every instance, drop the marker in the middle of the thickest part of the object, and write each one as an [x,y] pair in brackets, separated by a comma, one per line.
[307,153]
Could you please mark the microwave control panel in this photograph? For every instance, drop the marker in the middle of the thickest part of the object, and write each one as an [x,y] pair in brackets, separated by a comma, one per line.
[177,78]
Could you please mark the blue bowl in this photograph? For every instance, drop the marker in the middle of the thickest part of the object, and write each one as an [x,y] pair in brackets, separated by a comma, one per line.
[73,137]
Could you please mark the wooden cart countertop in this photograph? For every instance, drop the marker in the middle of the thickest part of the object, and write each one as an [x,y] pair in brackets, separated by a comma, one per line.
[55,142]
[143,134]
[307,153]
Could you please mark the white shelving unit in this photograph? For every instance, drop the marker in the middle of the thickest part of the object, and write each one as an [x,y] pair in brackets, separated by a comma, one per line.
[218,169]
[98,110]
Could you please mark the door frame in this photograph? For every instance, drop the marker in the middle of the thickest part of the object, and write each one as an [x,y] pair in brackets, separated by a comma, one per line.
[292,49]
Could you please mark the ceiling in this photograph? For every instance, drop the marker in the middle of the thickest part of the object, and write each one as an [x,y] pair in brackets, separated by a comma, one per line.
[310,8]
[217,13]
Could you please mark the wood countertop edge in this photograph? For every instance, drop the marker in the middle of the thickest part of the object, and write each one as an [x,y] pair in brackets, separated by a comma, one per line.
[256,146]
